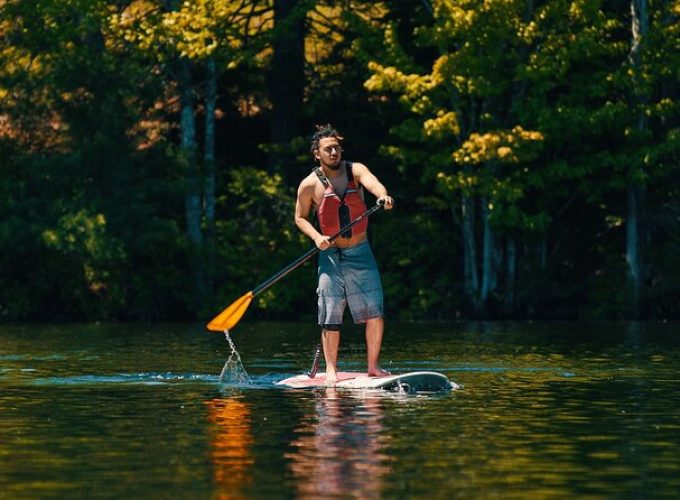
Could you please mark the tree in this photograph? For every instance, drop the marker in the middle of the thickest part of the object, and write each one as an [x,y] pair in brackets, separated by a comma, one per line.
[178,37]
[466,118]
[286,79]
[67,108]
[651,129]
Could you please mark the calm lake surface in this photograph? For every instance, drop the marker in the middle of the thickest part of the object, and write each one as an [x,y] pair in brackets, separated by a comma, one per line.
[546,410]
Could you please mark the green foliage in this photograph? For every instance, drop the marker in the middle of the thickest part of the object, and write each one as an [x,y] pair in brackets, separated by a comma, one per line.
[539,112]
[256,237]
[416,251]
[57,264]
[525,108]
[465,132]
[608,291]
[195,30]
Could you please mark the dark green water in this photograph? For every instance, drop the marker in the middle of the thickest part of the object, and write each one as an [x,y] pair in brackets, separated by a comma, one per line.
[552,410]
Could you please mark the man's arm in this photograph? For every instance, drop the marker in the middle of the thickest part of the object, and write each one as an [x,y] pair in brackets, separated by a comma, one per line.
[303,209]
[366,178]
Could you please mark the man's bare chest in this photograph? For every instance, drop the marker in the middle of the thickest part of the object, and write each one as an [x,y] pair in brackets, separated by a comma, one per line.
[334,186]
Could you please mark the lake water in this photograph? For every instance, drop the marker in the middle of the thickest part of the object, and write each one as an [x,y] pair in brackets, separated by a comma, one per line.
[546,410]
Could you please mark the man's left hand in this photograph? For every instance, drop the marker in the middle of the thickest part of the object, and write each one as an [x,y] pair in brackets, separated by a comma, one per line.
[387,201]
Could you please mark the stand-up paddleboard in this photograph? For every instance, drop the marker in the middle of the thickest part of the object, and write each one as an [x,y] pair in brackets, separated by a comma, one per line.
[404,382]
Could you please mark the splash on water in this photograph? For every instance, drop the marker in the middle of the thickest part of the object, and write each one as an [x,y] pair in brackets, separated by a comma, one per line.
[233,371]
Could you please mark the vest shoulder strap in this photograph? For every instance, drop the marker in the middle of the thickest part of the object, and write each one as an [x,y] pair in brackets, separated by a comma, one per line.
[350,174]
[324,180]
[350,178]
[322,177]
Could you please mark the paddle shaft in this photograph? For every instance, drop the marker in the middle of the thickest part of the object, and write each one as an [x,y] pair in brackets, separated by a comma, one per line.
[311,253]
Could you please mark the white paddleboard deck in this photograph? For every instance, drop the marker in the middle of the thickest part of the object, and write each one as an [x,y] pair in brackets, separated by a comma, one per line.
[403,382]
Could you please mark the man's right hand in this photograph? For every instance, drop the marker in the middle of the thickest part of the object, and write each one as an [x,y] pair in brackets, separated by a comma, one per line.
[322,242]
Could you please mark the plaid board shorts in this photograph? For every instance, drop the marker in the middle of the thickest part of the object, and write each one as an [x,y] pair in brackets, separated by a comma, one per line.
[349,277]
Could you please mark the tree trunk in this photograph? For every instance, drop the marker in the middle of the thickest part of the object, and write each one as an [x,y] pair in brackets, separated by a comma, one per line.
[192,180]
[510,276]
[635,248]
[635,196]
[488,268]
[192,194]
[543,254]
[209,147]
[209,170]
[287,80]
[470,274]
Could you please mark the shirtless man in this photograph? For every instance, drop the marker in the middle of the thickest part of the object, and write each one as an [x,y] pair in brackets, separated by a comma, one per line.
[348,273]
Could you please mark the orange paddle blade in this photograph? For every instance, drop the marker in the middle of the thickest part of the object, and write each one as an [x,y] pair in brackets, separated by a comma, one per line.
[228,318]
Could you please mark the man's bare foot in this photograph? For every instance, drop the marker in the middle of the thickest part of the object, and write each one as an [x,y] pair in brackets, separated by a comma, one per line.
[331,378]
[378,372]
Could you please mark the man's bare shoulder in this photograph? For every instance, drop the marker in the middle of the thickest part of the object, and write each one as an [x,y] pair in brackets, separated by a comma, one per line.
[359,168]
[307,183]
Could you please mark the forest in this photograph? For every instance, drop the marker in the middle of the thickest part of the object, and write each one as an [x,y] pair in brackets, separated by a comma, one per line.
[150,152]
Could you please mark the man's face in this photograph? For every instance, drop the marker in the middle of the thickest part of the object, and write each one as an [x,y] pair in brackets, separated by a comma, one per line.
[329,152]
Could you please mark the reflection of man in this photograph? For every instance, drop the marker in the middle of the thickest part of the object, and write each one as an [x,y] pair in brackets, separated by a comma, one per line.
[231,445]
[339,448]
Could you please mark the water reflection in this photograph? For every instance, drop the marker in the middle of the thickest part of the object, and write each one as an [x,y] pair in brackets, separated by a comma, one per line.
[232,443]
[548,411]
[340,448]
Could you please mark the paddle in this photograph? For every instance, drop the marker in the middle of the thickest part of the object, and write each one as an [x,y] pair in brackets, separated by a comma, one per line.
[228,318]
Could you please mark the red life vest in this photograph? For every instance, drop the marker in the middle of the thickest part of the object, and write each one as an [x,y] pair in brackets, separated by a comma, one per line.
[330,207]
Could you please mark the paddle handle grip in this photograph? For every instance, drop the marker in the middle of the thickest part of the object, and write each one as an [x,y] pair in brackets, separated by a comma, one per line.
[312,252]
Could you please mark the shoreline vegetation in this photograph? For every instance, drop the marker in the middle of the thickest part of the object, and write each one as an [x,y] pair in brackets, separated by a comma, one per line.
[149,152]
